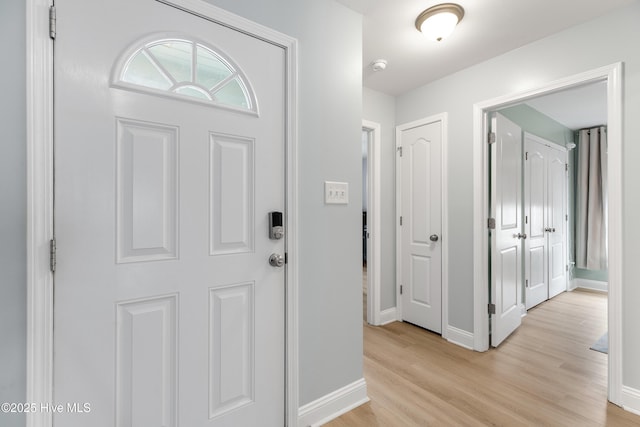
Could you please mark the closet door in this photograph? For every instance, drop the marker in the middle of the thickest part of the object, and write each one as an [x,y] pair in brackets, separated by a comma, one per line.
[545,220]
[556,220]
[535,245]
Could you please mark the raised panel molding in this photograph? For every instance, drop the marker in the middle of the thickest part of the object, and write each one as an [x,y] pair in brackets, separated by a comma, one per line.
[147,191]
[232,194]
[420,183]
[231,348]
[420,273]
[508,300]
[147,362]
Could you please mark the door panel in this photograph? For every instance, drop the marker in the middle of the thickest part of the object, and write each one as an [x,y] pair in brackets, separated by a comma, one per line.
[506,246]
[557,222]
[535,194]
[167,311]
[147,368]
[421,198]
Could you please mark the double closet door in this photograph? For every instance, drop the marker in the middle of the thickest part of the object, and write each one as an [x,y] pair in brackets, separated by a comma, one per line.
[545,222]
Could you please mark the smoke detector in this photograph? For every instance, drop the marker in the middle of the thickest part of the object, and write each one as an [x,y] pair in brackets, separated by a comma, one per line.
[379,64]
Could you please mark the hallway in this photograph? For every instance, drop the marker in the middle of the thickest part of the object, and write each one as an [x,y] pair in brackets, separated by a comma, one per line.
[544,374]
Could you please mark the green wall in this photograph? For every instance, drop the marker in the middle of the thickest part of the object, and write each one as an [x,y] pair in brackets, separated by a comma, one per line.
[533,121]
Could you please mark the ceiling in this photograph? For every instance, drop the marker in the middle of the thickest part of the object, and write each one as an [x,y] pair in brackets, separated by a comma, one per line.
[489,28]
[575,108]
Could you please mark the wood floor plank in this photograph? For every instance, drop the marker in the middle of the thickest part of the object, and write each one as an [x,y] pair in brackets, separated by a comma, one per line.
[543,375]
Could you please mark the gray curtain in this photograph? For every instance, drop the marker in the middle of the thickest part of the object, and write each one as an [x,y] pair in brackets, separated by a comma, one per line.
[591,200]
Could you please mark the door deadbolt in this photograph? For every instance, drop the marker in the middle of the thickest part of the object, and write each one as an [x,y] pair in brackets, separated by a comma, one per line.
[276,228]
[276,260]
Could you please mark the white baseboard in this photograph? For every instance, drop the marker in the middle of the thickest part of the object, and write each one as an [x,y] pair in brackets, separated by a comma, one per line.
[631,400]
[389,315]
[334,404]
[593,285]
[460,337]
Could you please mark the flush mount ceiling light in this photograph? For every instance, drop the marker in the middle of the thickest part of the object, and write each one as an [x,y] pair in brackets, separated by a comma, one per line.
[439,21]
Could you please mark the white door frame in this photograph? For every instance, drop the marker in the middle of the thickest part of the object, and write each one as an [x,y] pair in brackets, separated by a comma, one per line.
[443,119]
[612,74]
[40,229]
[373,222]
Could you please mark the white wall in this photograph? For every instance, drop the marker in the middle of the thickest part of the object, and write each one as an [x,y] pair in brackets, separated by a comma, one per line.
[330,126]
[13,203]
[381,108]
[600,42]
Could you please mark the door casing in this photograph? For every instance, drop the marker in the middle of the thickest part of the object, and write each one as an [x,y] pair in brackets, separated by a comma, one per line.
[612,75]
[373,222]
[40,198]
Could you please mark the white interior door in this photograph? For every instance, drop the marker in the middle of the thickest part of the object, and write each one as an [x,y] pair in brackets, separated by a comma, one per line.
[167,310]
[557,220]
[506,238]
[545,220]
[421,210]
[535,245]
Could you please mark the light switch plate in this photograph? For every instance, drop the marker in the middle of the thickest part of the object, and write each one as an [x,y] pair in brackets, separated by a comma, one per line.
[336,193]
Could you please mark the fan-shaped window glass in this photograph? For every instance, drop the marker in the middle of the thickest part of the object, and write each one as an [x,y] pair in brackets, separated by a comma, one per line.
[189,69]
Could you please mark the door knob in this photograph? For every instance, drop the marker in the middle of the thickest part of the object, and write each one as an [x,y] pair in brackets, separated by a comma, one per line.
[519,236]
[276,260]
[433,237]
[548,230]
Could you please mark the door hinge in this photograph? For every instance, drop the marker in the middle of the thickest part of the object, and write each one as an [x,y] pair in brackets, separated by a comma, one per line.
[566,217]
[526,155]
[526,219]
[492,308]
[400,219]
[526,283]
[286,258]
[400,289]
[567,267]
[492,137]
[52,255]
[491,223]
[399,150]
[566,167]
[52,22]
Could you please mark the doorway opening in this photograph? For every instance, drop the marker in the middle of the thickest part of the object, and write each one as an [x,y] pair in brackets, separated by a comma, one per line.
[370,142]
[611,75]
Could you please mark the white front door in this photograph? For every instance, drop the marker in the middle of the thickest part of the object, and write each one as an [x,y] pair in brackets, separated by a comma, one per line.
[421,228]
[169,155]
[506,237]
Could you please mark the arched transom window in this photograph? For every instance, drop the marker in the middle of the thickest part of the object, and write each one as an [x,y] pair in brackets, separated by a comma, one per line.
[189,69]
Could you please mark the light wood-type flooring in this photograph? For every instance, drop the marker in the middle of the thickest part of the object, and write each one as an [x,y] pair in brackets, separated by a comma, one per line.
[543,375]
